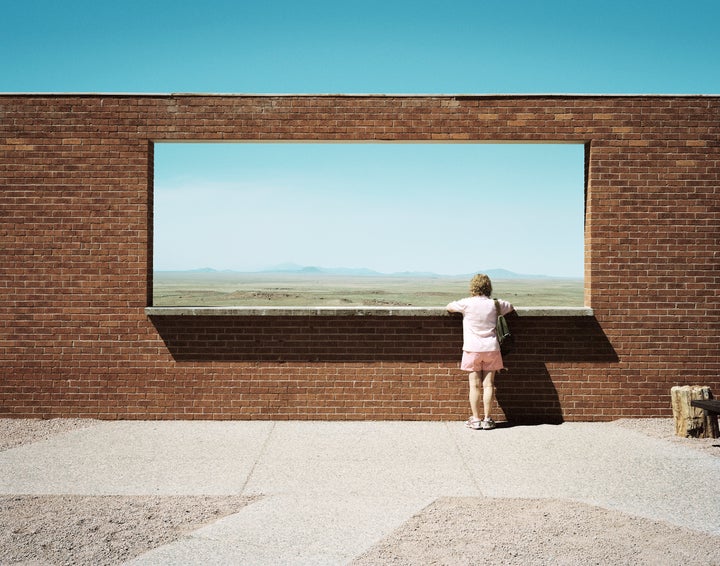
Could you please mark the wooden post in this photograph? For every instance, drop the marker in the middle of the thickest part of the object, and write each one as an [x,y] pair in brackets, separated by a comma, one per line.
[691,421]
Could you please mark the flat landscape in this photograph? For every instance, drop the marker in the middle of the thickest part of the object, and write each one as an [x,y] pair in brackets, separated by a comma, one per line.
[312,289]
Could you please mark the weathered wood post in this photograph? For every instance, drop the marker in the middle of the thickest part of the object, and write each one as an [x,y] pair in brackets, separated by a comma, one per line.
[691,421]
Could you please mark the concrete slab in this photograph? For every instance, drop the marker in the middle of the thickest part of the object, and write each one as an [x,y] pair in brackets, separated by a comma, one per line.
[330,490]
[363,458]
[291,529]
[601,464]
[138,458]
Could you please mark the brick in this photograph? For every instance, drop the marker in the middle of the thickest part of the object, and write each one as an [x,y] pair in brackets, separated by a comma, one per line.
[74,339]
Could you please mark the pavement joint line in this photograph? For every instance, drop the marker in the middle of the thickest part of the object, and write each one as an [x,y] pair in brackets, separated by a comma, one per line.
[464,461]
[259,456]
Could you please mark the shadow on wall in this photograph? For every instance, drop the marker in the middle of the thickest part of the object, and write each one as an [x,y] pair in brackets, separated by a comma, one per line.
[526,392]
[309,338]
[527,395]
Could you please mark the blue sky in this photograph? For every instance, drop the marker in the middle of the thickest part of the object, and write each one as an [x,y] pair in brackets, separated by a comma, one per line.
[400,47]
[387,207]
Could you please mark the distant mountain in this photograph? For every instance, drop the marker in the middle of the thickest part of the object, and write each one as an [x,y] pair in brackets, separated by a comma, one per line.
[312,269]
[500,273]
[202,270]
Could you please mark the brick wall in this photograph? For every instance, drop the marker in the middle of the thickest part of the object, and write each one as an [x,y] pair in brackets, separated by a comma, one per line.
[76,257]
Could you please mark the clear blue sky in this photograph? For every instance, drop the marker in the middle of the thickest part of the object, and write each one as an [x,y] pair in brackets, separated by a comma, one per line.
[479,47]
[387,207]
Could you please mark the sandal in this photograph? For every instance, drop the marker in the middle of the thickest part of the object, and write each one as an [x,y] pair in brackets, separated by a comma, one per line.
[487,424]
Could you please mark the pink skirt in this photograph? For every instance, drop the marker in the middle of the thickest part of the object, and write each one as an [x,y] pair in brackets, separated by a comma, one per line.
[482,361]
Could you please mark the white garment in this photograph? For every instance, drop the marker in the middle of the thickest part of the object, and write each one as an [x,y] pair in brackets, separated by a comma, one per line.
[479,320]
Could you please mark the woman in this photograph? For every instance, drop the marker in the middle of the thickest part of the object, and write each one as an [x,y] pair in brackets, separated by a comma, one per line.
[481,350]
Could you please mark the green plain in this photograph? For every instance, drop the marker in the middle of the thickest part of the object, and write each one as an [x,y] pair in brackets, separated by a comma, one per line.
[298,289]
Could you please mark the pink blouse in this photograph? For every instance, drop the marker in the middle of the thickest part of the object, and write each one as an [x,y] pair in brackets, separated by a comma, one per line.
[479,320]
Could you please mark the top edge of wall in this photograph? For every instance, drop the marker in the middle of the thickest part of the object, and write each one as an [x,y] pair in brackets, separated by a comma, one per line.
[355,95]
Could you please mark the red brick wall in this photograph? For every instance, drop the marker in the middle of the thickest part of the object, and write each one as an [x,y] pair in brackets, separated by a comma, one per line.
[75,267]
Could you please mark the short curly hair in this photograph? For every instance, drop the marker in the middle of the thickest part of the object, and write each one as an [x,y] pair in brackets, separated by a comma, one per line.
[480,285]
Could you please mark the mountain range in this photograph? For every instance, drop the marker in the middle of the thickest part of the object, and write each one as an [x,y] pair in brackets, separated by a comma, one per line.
[497,273]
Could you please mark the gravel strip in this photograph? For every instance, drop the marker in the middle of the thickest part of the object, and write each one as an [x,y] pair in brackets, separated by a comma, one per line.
[664,429]
[466,531]
[522,532]
[16,432]
[93,530]
[104,530]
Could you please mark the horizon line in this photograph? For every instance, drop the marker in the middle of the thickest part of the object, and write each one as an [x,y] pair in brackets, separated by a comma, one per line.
[367,272]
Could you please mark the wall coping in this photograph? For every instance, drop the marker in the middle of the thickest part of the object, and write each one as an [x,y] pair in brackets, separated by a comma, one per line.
[348,311]
[358,95]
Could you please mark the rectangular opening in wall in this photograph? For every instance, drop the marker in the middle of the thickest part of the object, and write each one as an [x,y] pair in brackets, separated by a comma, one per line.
[366,224]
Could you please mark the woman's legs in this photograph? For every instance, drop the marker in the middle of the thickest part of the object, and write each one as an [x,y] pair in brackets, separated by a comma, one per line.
[474,396]
[488,392]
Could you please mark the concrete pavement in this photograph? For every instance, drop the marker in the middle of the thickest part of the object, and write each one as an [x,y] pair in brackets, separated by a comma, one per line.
[331,490]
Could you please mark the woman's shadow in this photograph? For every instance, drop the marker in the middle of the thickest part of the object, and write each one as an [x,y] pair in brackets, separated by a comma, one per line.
[526,392]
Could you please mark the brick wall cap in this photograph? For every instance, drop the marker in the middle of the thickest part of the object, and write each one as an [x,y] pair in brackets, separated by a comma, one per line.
[348,311]
[466,96]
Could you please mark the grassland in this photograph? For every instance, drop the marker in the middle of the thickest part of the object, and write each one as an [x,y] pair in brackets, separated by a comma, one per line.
[298,289]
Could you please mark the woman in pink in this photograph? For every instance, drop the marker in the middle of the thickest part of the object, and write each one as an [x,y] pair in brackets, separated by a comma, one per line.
[481,350]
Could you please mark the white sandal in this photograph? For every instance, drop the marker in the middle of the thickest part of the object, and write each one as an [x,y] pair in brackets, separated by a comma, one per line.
[487,424]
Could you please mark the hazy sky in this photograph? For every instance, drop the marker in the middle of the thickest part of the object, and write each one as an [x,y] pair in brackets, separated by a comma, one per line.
[430,201]
[445,208]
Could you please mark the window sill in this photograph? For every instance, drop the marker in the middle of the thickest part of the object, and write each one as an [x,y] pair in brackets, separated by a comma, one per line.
[348,311]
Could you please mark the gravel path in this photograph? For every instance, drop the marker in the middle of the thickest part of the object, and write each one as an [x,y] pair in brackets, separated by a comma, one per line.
[529,532]
[664,429]
[70,529]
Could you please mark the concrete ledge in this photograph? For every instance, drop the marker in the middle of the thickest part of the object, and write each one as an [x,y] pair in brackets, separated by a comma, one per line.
[348,311]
